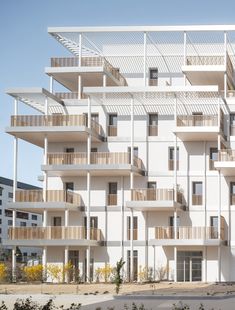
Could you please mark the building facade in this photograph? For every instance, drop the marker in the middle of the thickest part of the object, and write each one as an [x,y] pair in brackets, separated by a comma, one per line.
[138,153]
[23,219]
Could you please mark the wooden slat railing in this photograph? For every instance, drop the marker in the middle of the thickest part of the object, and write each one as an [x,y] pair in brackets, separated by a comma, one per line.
[226,155]
[187,232]
[152,194]
[53,233]
[67,158]
[197,120]
[51,196]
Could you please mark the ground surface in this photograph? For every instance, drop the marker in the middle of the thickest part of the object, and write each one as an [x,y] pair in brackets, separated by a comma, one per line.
[157,296]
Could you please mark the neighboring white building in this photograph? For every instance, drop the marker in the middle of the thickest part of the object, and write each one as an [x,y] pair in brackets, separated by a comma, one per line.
[138,152]
[23,219]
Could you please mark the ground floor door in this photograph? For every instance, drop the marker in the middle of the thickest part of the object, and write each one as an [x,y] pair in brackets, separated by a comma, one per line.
[189,266]
[135,265]
[74,272]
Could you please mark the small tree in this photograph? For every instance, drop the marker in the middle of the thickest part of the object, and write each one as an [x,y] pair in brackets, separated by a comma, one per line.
[117,275]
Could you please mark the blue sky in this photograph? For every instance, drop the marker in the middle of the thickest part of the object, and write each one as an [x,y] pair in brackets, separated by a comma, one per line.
[26,48]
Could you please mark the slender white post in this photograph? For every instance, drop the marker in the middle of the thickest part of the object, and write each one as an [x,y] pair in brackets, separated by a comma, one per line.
[14,263]
[132,247]
[122,216]
[204,191]
[185,55]
[66,261]
[66,218]
[44,262]
[225,62]
[80,50]
[205,264]
[44,223]
[175,157]
[145,56]
[45,180]
[79,87]
[132,131]
[14,193]
[51,84]
[175,224]
[175,264]
[219,263]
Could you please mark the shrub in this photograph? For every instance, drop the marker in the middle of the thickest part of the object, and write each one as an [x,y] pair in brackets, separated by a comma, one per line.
[3,272]
[33,273]
[117,275]
[55,272]
[162,272]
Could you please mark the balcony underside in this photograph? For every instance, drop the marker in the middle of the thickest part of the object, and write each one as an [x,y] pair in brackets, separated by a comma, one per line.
[95,170]
[35,135]
[38,207]
[186,242]
[197,133]
[205,75]
[159,205]
[227,168]
[90,76]
[55,242]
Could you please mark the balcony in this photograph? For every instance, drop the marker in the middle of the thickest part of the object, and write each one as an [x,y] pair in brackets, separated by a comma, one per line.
[150,199]
[55,200]
[101,163]
[199,127]
[92,69]
[57,127]
[188,235]
[226,162]
[208,70]
[53,235]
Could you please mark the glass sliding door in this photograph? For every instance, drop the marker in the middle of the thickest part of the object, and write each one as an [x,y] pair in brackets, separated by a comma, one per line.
[189,266]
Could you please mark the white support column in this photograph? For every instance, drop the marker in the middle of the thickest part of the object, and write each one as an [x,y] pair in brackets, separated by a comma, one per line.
[79,87]
[175,264]
[145,58]
[66,218]
[66,261]
[15,168]
[14,263]
[51,84]
[132,248]
[132,131]
[175,224]
[175,157]
[146,241]
[44,223]
[225,63]
[185,55]
[122,217]
[45,179]
[80,50]
[44,262]
[205,264]
[219,263]
[204,191]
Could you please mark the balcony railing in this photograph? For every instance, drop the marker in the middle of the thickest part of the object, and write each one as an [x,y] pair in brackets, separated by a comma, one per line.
[51,196]
[188,232]
[152,130]
[205,60]
[197,120]
[53,233]
[112,199]
[151,194]
[226,155]
[54,120]
[196,199]
[89,62]
[171,164]
[112,131]
[100,158]
[135,234]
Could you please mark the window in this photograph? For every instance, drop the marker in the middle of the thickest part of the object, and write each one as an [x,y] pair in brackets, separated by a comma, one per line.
[93,227]
[0,202]
[153,124]
[214,227]
[34,217]
[135,228]
[9,222]
[232,193]
[135,150]
[56,221]
[94,150]
[1,190]
[10,195]
[197,119]
[197,193]
[153,76]
[33,254]
[0,221]
[232,124]
[112,195]
[135,265]
[172,158]
[151,192]
[0,230]
[22,215]
[0,211]
[112,127]
[34,225]
[8,213]
[23,224]
[69,150]
[213,157]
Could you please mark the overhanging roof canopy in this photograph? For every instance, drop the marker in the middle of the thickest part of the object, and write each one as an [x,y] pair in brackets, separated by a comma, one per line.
[36,97]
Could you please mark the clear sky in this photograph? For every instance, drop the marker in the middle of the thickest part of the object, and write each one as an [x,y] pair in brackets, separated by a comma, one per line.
[26,48]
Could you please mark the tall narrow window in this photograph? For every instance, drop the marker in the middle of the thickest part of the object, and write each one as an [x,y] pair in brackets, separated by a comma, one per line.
[69,156]
[93,227]
[232,124]
[153,76]
[69,188]
[213,157]
[112,195]
[214,227]
[112,127]
[232,193]
[197,193]
[135,265]
[153,124]
[135,228]
[197,119]
[151,192]
[171,158]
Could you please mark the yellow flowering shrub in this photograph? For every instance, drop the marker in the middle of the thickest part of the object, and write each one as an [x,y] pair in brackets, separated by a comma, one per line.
[3,272]
[55,272]
[104,273]
[33,273]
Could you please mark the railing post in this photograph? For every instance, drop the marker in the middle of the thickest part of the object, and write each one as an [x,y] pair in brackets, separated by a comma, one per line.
[132,248]
[145,56]
[225,63]
[185,55]
[80,50]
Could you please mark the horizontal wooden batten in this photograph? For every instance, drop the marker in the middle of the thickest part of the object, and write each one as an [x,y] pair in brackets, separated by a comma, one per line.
[53,233]
[50,196]
[197,120]
[152,194]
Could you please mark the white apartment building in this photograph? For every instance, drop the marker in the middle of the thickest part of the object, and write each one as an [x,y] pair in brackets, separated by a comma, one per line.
[139,157]
[23,219]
